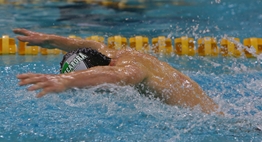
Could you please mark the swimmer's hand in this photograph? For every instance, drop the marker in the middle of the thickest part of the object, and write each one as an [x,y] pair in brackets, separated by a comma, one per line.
[34,38]
[48,83]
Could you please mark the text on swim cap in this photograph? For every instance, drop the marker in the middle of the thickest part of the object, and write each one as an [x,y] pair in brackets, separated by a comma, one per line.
[69,66]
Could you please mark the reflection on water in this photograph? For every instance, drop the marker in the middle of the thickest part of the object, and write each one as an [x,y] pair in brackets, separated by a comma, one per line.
[237,18]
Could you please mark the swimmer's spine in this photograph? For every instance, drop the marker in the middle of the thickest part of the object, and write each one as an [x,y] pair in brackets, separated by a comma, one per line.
[206,46]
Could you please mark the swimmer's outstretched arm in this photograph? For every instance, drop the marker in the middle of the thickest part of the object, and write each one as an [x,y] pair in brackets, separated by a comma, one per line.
[54,41]
[125,75]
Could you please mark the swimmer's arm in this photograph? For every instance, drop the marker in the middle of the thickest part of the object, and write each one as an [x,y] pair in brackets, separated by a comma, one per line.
[125,75]
[63,43]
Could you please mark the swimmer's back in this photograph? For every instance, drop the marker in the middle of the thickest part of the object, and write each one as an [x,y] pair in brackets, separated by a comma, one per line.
[170,85]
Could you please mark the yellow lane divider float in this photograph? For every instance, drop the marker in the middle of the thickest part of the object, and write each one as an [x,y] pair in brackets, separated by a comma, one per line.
[139,43]
[162,44]
[117,42]
[228,48]
[7,45]
[206,46]
[27,50]
[256,43]
[185,46]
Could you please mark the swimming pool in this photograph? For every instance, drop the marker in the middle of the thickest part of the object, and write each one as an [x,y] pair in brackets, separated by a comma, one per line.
[121,113]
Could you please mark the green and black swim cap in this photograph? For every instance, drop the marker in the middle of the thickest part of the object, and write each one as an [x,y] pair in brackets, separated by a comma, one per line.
[81,59]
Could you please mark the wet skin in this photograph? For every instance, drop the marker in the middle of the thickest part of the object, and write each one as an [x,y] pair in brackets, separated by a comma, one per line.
[128,67]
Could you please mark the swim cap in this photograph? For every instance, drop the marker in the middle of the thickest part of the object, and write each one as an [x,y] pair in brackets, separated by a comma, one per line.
[81,59]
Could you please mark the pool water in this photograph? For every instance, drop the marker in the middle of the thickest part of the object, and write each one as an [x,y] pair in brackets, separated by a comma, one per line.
[112,113]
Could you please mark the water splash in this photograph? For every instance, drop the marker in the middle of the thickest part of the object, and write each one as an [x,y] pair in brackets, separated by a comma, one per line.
[114,113]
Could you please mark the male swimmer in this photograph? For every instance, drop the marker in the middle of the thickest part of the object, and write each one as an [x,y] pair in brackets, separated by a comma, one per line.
[121,67]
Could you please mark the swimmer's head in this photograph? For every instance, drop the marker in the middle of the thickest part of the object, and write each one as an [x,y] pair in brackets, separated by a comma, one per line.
[81,59]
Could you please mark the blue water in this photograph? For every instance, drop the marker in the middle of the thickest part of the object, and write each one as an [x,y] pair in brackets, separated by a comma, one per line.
[113,113]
